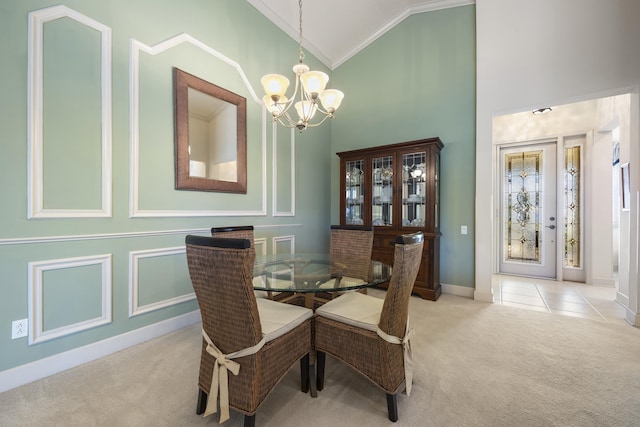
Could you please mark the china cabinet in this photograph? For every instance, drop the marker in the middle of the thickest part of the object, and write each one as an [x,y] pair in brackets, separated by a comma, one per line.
[396,188]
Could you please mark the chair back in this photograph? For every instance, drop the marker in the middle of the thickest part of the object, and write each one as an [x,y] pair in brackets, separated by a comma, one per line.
[406,263]
[234,232]
[350,250]
[221,271]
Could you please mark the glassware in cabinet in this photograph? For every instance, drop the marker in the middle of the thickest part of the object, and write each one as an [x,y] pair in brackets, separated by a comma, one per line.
[413,189]
[354,192]
[382,191]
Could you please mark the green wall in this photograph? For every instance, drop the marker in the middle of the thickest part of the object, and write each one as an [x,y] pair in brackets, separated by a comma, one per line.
[418,81]
[429,58]
[72,128]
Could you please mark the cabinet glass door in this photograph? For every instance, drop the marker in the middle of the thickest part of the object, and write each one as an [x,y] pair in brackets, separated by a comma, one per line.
[354,197]
[382,194]
[413,191]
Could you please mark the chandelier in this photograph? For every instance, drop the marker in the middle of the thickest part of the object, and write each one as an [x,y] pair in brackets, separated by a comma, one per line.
[311,85]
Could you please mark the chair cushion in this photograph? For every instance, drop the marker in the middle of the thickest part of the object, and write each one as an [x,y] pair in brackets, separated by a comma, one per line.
[345,281]
[354,308]
[277,318]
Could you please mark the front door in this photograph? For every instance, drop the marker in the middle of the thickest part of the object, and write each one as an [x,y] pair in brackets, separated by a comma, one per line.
[529,222]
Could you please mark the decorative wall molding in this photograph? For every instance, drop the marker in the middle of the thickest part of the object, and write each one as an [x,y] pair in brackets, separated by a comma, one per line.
[134,82]
[291,239]
[134,281]
[262,242]
[35,189]
[292,179]
[133,234]
[331,61]
[37,334]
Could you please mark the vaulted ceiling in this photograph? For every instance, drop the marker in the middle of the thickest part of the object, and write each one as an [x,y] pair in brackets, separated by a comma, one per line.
[335,30]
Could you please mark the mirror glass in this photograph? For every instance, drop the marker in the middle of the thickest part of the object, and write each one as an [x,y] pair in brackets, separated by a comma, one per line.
[210,136]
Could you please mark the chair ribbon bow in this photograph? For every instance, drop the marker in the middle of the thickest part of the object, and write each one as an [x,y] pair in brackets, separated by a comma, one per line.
[406,347]
[220,378]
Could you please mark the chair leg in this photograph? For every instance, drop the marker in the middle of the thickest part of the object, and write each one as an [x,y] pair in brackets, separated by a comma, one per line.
[312,380]
[250,420]
[202,402]
[320,360]
[392,407]
[304,373]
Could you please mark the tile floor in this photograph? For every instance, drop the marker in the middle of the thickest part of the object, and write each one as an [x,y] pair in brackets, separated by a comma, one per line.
[559,298]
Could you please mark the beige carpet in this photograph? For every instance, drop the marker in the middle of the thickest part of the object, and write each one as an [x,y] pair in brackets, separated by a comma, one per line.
[476,365]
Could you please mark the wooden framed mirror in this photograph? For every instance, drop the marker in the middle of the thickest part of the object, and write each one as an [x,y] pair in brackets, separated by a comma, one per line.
[210,136]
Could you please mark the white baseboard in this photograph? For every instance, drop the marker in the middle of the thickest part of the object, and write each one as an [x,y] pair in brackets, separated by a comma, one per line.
[483,296]
[622,299]
[632,317]
[461,291]
[603,281]
[42,368]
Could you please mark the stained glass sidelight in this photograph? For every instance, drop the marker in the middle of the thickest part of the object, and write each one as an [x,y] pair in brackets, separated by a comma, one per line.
[523,195]
[572,207]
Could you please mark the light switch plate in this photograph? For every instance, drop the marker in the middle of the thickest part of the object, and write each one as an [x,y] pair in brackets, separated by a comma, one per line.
[463,229]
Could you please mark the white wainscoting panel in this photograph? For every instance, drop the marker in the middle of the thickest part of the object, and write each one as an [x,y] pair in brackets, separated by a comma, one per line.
[291,239]
[37,334]
[262,242]
[134,281]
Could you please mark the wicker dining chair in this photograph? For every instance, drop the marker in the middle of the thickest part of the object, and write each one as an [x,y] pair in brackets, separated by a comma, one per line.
[257,340]
[234,232]
[372,334]
[349,256]
[243,232]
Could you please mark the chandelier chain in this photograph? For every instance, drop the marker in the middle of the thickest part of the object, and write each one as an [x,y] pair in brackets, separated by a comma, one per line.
[314,96]
[301,53]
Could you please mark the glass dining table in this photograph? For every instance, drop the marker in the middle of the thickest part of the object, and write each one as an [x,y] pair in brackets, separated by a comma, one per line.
[307,279]
[310,280]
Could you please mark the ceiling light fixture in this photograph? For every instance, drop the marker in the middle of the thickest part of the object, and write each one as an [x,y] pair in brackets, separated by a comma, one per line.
[312,88]
[542,110]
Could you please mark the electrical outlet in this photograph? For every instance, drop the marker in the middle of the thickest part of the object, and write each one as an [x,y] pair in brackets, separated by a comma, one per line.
[19,328]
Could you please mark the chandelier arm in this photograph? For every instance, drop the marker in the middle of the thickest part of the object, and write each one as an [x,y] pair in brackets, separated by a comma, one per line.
[320,110]
[285,120]
[310,125]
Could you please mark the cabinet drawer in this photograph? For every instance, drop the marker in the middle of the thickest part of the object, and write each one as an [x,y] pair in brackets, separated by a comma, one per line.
[385,257]
[388,242]
[384,242]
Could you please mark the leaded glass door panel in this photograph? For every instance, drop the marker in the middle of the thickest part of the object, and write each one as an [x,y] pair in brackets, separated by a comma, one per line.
[528,210]
[382,200]
[413,189]
[354,192]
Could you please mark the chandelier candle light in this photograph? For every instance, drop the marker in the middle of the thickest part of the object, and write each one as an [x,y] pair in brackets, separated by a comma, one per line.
[312,87]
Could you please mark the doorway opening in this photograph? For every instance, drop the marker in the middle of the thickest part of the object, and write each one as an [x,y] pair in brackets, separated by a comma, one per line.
[585,229]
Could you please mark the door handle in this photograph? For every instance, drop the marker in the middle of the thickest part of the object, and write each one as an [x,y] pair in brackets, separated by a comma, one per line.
[550,226]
